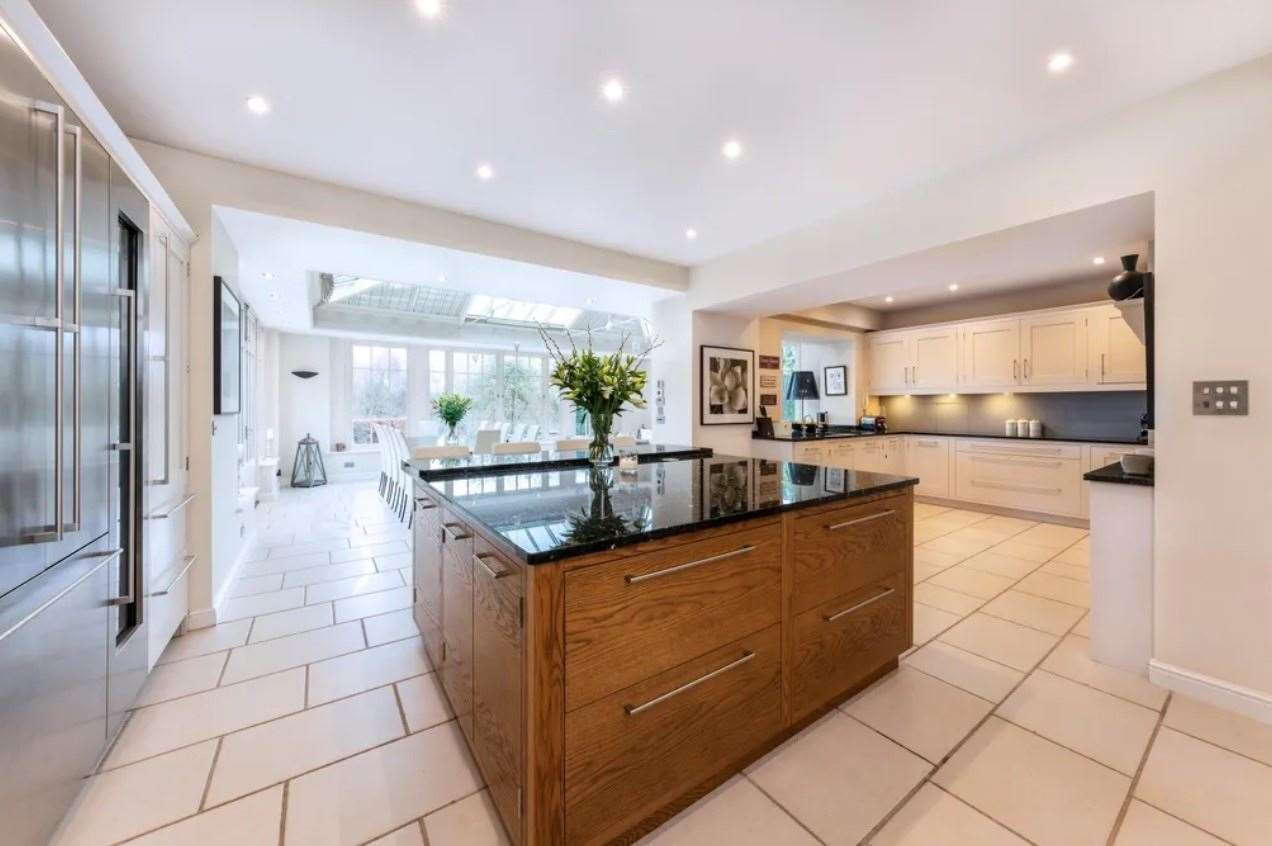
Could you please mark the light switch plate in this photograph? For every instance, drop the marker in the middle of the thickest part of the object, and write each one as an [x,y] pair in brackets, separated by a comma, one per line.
[1224,397]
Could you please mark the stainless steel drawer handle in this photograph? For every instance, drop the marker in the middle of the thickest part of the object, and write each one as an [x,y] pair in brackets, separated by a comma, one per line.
[1023,461]
[860,520]
[742,550]
[633,710]
[490,571]
[1004,486]
[830,618]
[174,509]
[452,530]
[189,562]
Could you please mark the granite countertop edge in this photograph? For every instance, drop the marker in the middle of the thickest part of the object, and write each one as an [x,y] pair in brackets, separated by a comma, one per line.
[1114,474]
[833,436]
[440,474]
[552,556]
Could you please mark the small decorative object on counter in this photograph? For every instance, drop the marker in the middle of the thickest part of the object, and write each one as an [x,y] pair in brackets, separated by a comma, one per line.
[339,446]
[1128,284]
[600,384]
[451,408]
[1010,430]
[1035,428]
[308,470]
[1022,428]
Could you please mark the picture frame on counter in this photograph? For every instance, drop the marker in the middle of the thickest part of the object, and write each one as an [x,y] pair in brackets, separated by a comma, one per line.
[727,376]
[835,380]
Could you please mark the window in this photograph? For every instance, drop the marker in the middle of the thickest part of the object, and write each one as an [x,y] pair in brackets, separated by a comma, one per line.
[379,389]
[790,363]
[473,375]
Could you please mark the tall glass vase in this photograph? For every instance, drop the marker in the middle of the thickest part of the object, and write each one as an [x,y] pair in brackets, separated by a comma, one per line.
[600,452]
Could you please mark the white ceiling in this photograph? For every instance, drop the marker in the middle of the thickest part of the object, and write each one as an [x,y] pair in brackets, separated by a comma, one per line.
[292,251]
[836,102]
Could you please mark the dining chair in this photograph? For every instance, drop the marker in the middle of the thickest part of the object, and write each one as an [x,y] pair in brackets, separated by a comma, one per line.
[446,451]
[572,444]
[486,438]
[517,448]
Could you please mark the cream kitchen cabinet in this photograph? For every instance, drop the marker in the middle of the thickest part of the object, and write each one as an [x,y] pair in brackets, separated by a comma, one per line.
[890,361]
[842,453]
[928,459]
[920,361]
[1043,477]
[1053,348]
[815,453]
[991,355]
[1115,355]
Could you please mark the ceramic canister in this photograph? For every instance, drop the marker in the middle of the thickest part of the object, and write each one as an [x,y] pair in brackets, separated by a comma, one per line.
[1010,430]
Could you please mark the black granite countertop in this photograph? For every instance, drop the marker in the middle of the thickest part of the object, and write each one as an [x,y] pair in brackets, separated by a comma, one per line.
[1115,474]
[548,515]
[429,469]
[837,435]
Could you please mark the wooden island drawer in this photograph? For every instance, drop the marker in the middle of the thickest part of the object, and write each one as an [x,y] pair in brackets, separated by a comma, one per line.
[838,551]
[629,619]
[839,643]
[630,753]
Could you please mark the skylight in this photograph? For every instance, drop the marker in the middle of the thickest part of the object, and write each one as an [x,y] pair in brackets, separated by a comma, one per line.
[346,287]
[485,307]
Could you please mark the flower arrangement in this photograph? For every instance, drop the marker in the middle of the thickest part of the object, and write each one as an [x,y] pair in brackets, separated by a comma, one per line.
[451,408]
[599,383]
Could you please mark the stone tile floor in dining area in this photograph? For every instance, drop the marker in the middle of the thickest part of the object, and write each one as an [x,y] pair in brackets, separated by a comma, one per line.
[310,716]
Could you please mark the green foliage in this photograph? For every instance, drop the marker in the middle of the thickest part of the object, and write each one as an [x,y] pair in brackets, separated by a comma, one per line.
[451,408]
[599,383]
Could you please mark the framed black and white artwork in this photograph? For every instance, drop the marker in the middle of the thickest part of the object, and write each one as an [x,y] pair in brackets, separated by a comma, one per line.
[727,376]
[227,348]
[836,380]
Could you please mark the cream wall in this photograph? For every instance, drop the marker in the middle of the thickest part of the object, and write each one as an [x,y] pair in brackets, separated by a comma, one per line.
[1206,153]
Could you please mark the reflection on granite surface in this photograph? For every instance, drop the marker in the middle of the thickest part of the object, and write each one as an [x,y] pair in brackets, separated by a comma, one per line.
[551,514]
[429,469]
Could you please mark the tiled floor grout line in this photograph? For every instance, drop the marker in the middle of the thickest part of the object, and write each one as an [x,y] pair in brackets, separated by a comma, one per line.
[397,697]
[1139,771]
[272,719]
[423,830]
[207,785]
[998,822]
[785,810]
[1175,816]
[1236,752]
[282,815]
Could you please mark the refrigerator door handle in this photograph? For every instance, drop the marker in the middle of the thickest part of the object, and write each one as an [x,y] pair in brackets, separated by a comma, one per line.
[77,346]
[59,264]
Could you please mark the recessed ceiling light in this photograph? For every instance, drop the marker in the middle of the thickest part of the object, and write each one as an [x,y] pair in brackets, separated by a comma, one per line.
[613,90]
[1098,260]
[267,275]
[429,8]
[258,105]
[691,234]
[1060,62]
[273,296]
[953,286]
[732,149]
[485,172]
[441,278]
[888,299]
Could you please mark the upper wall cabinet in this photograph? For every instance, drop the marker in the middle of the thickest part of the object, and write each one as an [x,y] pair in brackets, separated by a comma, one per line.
[1116,356]
[1053,348]
[915,361]
[1067,349]
[991,355]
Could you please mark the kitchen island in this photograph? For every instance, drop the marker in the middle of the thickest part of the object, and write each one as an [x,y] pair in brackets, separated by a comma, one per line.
[616,644]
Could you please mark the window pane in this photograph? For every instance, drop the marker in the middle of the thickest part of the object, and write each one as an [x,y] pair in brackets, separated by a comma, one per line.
[361,356]
[380,357]
[437,360]
[398,358]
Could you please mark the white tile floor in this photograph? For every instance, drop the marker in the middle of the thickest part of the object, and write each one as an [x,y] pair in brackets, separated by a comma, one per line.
[314,718]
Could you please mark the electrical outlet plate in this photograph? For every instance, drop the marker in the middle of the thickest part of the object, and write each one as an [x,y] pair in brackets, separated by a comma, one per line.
[1226,397]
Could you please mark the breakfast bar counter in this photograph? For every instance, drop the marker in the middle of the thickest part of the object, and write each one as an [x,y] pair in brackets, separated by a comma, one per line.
[616,644]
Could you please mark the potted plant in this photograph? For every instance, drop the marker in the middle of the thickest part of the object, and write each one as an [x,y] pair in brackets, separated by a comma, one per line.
[600,384]
[451,408]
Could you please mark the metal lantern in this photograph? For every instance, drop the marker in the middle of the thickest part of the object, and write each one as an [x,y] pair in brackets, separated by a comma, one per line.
[308,470]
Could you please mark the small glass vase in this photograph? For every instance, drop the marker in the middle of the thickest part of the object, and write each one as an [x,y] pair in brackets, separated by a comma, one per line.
[452,437]
[600,451]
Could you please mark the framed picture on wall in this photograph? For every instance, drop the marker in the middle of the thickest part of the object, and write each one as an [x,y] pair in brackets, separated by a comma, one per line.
[836,380]
[727,377]
[227,348]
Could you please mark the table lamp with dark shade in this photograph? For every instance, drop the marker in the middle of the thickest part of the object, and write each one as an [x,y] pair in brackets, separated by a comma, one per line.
[802,386]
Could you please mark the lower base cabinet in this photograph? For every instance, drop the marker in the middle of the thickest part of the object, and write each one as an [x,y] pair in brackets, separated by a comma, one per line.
[601,694]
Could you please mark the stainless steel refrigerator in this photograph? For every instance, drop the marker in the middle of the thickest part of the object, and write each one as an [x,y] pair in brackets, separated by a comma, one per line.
[72,291]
